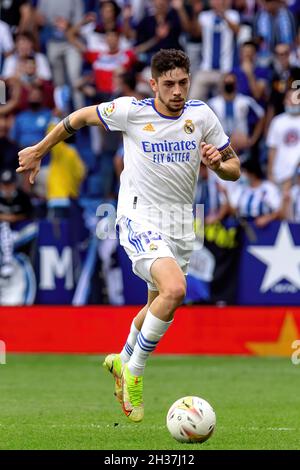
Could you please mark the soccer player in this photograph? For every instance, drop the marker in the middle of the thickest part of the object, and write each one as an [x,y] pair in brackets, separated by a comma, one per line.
[164,141]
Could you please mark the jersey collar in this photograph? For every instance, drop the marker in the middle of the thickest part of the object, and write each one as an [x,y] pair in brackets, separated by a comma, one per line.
[173,118]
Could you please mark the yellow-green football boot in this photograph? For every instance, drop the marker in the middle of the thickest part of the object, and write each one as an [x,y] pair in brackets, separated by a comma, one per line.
[113,364]
[132,399]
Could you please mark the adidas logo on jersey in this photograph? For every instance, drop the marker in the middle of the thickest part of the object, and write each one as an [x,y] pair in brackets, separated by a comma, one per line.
[149,128]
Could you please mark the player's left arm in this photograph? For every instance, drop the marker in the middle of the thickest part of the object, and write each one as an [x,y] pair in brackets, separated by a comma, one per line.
[225,163]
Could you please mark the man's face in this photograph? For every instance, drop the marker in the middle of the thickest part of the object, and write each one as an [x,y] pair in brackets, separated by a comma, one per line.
[248,52]
[172,89]
[30,67]
[8,190]
[24,46]
[282,55]
[161,6]
[271,5]
[107,11]
[217,4]
[35,96]
[229,83]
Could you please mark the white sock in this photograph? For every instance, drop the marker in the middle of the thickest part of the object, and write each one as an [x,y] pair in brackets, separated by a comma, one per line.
[130,343]
[152,331]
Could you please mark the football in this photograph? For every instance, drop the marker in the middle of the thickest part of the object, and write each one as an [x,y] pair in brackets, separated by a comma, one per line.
[191,419]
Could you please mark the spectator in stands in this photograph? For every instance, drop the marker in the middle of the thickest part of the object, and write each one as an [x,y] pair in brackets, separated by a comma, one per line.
[283,141]
[273,24]
[6,250]
[143,75]
[28,78]
[126,84]
[282,78]
[251,79]
[233,110]
[255,198]
[292,200]
[12,92]
[15,206]
[140,8]
[219,27]
[246,10]
[162,29]
[25,49]
[30,127]
[18,14]
[295,54]
[8,148]
[88,35]
[192,40]
[56,17]
[6,42]
[64,178]
[109,17]
[294,7]
[106,65]
[210,193]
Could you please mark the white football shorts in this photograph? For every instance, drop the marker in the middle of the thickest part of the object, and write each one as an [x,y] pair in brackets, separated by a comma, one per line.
[143,245]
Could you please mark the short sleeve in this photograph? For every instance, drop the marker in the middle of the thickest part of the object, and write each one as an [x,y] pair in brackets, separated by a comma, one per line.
[273,135]
[113,114]
[235,195]
[273,196]
[9,66]
[214,133]
[202,17]
[7,40]
[43,67]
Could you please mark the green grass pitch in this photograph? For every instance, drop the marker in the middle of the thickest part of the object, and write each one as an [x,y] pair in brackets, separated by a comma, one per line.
[66,402]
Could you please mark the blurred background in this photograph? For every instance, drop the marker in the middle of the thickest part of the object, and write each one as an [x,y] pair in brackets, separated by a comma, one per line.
[56,57]
[66,289]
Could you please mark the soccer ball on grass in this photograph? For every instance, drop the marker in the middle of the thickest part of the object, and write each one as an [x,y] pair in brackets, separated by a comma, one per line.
[191,419]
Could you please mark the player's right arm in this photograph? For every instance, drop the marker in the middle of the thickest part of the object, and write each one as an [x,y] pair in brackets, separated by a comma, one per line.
[30,157]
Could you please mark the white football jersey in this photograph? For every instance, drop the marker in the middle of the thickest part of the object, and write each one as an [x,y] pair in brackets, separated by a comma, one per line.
[161,160]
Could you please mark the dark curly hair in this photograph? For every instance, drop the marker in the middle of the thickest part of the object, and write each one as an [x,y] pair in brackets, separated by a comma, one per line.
[169,59]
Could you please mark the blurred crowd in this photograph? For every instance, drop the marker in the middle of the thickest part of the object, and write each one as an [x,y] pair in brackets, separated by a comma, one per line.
[57,56]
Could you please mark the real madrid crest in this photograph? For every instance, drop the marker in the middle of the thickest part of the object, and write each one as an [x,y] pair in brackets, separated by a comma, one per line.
[189,126]
[153,247]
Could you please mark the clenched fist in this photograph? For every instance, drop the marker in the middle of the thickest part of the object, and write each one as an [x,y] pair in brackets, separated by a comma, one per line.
[211,156]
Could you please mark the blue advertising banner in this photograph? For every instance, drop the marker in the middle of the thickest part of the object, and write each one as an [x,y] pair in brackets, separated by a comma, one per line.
[135,289]
[55,263]
[269,271]
[261,270]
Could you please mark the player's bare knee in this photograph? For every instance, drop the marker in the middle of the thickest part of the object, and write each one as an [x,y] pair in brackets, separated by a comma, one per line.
[174,294]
